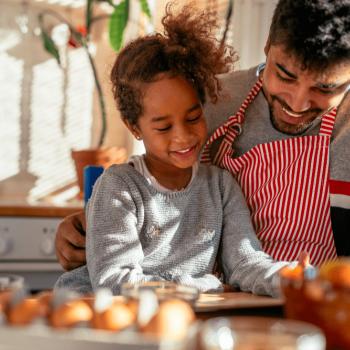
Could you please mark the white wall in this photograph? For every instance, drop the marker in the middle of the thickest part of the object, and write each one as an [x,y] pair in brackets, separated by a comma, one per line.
[251,22]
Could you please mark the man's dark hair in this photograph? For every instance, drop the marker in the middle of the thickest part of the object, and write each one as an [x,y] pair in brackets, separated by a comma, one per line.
[316,32]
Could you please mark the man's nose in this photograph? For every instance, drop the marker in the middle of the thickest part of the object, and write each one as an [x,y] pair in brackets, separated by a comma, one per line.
[299,100]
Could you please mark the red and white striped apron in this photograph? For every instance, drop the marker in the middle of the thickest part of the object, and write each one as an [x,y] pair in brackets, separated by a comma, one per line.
[286,186]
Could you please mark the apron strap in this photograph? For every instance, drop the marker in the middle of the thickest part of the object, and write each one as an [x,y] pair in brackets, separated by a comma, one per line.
[327,123]
[230,129]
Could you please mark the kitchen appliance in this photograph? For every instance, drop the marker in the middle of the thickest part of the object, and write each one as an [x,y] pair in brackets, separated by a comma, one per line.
[27,244]
[27,248]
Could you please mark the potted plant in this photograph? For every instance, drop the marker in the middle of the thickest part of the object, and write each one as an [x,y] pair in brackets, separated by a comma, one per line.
[118,17]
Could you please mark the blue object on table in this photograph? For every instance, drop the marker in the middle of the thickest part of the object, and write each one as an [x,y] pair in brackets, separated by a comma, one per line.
[91,174]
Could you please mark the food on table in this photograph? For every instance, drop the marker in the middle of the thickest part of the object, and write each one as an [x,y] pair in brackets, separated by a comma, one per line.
[323,300]
[5,297]
[294,273]
[23,309]
[110,313]
[158,314]
[69,310]
[172,320]
[8,284]
[337,272]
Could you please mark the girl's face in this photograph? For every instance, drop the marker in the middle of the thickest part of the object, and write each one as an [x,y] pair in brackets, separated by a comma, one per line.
[173,127]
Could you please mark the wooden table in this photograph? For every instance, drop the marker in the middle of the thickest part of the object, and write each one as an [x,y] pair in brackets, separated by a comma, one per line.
[237,303]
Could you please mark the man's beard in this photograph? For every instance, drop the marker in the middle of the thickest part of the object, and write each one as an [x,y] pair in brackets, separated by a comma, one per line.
[289,129]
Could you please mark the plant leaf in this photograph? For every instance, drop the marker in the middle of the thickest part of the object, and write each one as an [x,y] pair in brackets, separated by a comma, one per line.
[117,24]
[49,45]
[145,8]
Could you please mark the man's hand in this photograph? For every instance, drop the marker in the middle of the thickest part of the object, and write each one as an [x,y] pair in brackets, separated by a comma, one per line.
[70,241]
[304,259]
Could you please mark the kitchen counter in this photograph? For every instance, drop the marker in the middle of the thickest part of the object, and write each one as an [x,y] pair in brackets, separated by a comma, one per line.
[39,209]
[57,204]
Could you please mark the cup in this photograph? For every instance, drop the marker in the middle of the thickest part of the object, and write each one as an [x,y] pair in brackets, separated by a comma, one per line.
[10,282]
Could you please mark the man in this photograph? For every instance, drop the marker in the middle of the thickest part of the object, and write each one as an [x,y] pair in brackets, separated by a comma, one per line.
[290,131]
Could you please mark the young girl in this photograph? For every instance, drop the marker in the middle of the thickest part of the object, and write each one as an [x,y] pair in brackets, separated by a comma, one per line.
[162,216]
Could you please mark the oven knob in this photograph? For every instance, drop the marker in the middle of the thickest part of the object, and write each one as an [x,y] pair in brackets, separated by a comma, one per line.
[47,246]
[5,245]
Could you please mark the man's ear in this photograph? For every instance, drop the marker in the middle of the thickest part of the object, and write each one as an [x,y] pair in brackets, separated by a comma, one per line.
[133,129]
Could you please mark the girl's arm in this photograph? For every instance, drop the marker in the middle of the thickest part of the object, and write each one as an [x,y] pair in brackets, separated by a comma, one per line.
[244,263]
[114,251]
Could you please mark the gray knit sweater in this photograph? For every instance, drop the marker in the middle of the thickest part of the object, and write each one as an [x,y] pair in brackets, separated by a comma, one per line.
[136,233]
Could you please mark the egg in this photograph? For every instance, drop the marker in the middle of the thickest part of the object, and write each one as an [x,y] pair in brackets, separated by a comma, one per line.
[45,299]
[172,320]
[25,311]
[5,297]
[337,272]
[118,316]
[70,314]
[293,273]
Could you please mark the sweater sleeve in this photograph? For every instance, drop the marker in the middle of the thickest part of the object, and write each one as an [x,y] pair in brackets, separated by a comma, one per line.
[244,263]
[114,251]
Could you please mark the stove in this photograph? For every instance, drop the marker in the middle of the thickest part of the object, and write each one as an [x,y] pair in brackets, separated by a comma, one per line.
[27,244]
[27,248]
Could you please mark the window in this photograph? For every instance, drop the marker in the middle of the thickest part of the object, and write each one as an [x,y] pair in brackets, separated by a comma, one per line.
[44,111]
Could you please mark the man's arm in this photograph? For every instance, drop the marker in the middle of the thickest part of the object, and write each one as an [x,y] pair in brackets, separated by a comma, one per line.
[70,241]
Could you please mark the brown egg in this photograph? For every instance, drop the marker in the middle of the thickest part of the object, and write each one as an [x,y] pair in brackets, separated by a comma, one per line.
[294,273]
[45,299]
[133,305]
[5,297]
[116,317]
[172,320]
[337,272]
[71,313]
[25,311]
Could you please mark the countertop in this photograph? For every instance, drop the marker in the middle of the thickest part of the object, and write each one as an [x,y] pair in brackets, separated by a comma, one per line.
[59,204]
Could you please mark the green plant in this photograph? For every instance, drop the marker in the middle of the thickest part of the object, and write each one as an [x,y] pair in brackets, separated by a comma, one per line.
[117,20]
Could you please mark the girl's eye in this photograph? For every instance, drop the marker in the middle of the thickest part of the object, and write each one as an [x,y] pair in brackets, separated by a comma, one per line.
[164,129]
[194,119]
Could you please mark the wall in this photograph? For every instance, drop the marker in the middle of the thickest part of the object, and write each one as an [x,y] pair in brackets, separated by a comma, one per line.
[46,111]
[251,23]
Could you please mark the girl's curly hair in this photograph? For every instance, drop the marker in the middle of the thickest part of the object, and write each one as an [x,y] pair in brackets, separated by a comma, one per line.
[187,48]
[316,32]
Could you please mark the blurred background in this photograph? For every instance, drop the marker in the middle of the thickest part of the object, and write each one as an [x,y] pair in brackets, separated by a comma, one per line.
[47,110]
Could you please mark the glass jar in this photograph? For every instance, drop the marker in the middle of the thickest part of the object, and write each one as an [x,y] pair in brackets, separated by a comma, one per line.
[260,333]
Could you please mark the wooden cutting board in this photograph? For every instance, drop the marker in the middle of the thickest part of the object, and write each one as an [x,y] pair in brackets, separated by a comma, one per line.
[234,300]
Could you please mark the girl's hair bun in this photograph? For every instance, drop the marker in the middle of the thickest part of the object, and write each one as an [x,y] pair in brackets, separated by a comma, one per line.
[188,47]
